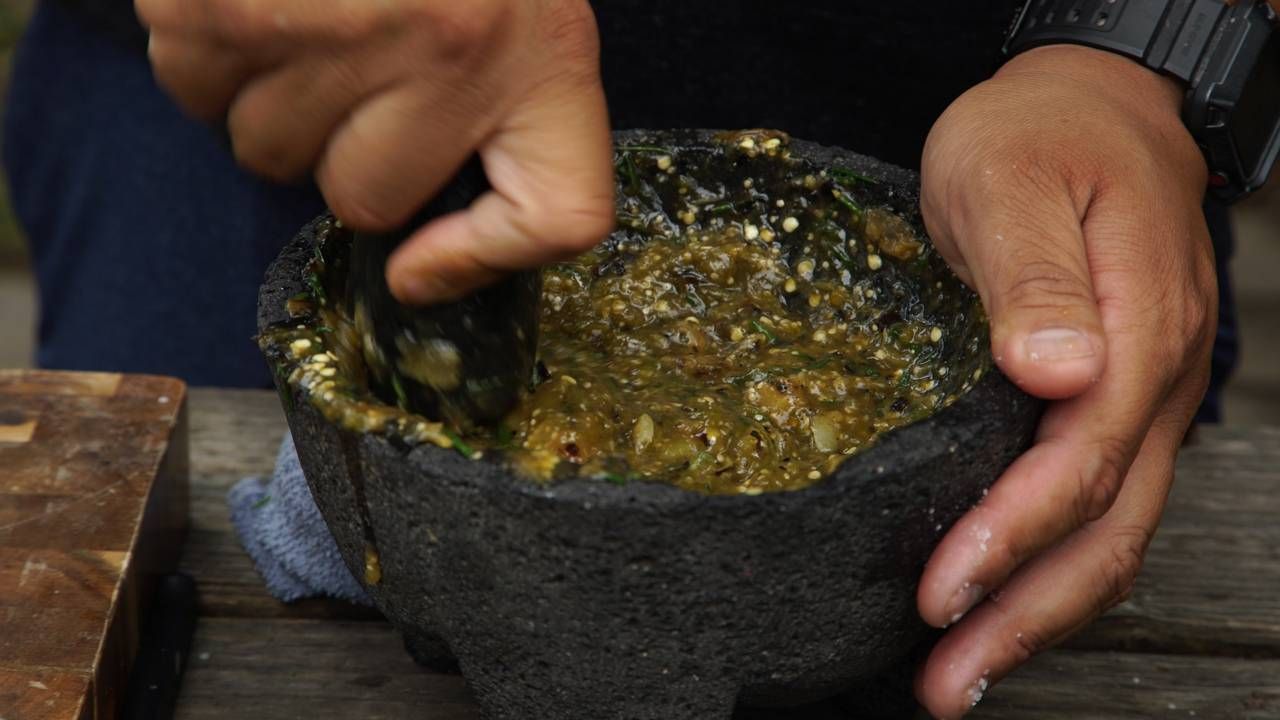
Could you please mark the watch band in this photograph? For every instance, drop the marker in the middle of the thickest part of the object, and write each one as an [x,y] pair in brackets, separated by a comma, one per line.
[1168,36]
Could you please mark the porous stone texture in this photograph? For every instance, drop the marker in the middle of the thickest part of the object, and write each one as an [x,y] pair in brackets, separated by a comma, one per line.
[585,600]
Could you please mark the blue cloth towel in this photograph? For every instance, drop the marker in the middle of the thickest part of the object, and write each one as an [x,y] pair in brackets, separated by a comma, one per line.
[281,528]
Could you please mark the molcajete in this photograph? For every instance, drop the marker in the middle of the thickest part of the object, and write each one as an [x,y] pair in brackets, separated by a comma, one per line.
[585,600]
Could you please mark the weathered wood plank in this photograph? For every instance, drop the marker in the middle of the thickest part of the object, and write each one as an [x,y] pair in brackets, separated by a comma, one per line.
[236,432]
[1068,685]
[271,669]
[1211,582]
[267,669]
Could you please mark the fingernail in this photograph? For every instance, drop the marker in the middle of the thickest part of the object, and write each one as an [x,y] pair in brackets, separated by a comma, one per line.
[1058,344]
[962,602]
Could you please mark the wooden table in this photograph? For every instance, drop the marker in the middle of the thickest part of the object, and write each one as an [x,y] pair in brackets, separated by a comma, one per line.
[1200,638]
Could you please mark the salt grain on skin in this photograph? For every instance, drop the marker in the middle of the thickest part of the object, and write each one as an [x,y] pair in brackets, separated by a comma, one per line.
[983,534]
[978,689]
[790,224]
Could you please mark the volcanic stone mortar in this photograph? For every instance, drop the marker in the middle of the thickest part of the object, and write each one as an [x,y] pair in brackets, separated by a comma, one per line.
[586,600]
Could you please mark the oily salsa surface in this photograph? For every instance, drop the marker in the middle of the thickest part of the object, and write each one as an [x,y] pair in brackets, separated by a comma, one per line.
[753,322]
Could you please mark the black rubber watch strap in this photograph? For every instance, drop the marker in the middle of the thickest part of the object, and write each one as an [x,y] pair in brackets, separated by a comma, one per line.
[1169,36]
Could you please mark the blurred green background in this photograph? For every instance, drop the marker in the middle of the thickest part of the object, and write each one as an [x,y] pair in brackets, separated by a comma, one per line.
[13,13]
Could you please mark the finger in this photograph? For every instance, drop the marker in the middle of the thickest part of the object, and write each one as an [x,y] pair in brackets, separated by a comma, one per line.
[1084,445]
[1013,231]
[202,77]
[280,122]
[551,168]
[395,152]
[254,21]
[1069,477]
[1058,593]
[1032,270]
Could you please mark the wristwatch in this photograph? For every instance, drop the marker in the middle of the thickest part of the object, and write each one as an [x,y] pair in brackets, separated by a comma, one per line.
[1226,56]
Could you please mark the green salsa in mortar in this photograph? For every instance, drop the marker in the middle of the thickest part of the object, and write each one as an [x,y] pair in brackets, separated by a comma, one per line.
[753,321]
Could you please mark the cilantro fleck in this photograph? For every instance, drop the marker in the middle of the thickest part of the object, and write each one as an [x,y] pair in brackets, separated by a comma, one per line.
[615,478]
[459,444]
[764,331]
[849,177]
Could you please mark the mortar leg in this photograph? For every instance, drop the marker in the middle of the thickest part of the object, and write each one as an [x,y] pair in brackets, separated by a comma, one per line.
[430,651]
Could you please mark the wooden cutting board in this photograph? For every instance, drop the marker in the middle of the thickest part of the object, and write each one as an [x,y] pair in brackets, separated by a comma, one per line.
[93,510]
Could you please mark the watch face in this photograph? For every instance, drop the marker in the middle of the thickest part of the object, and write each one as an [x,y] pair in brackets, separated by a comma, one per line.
[1256,117]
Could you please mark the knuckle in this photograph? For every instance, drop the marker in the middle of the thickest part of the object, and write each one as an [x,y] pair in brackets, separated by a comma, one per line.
[576,229]
[1028,643]
[263,157]
[357,207]
[1121,566]
[1100,481]
[462,30]
[1043,284]
[343,75]
[1010,550]
[241,20]
[259,149]
[249,152]
[1199,317]
[168,60]
[572,228]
